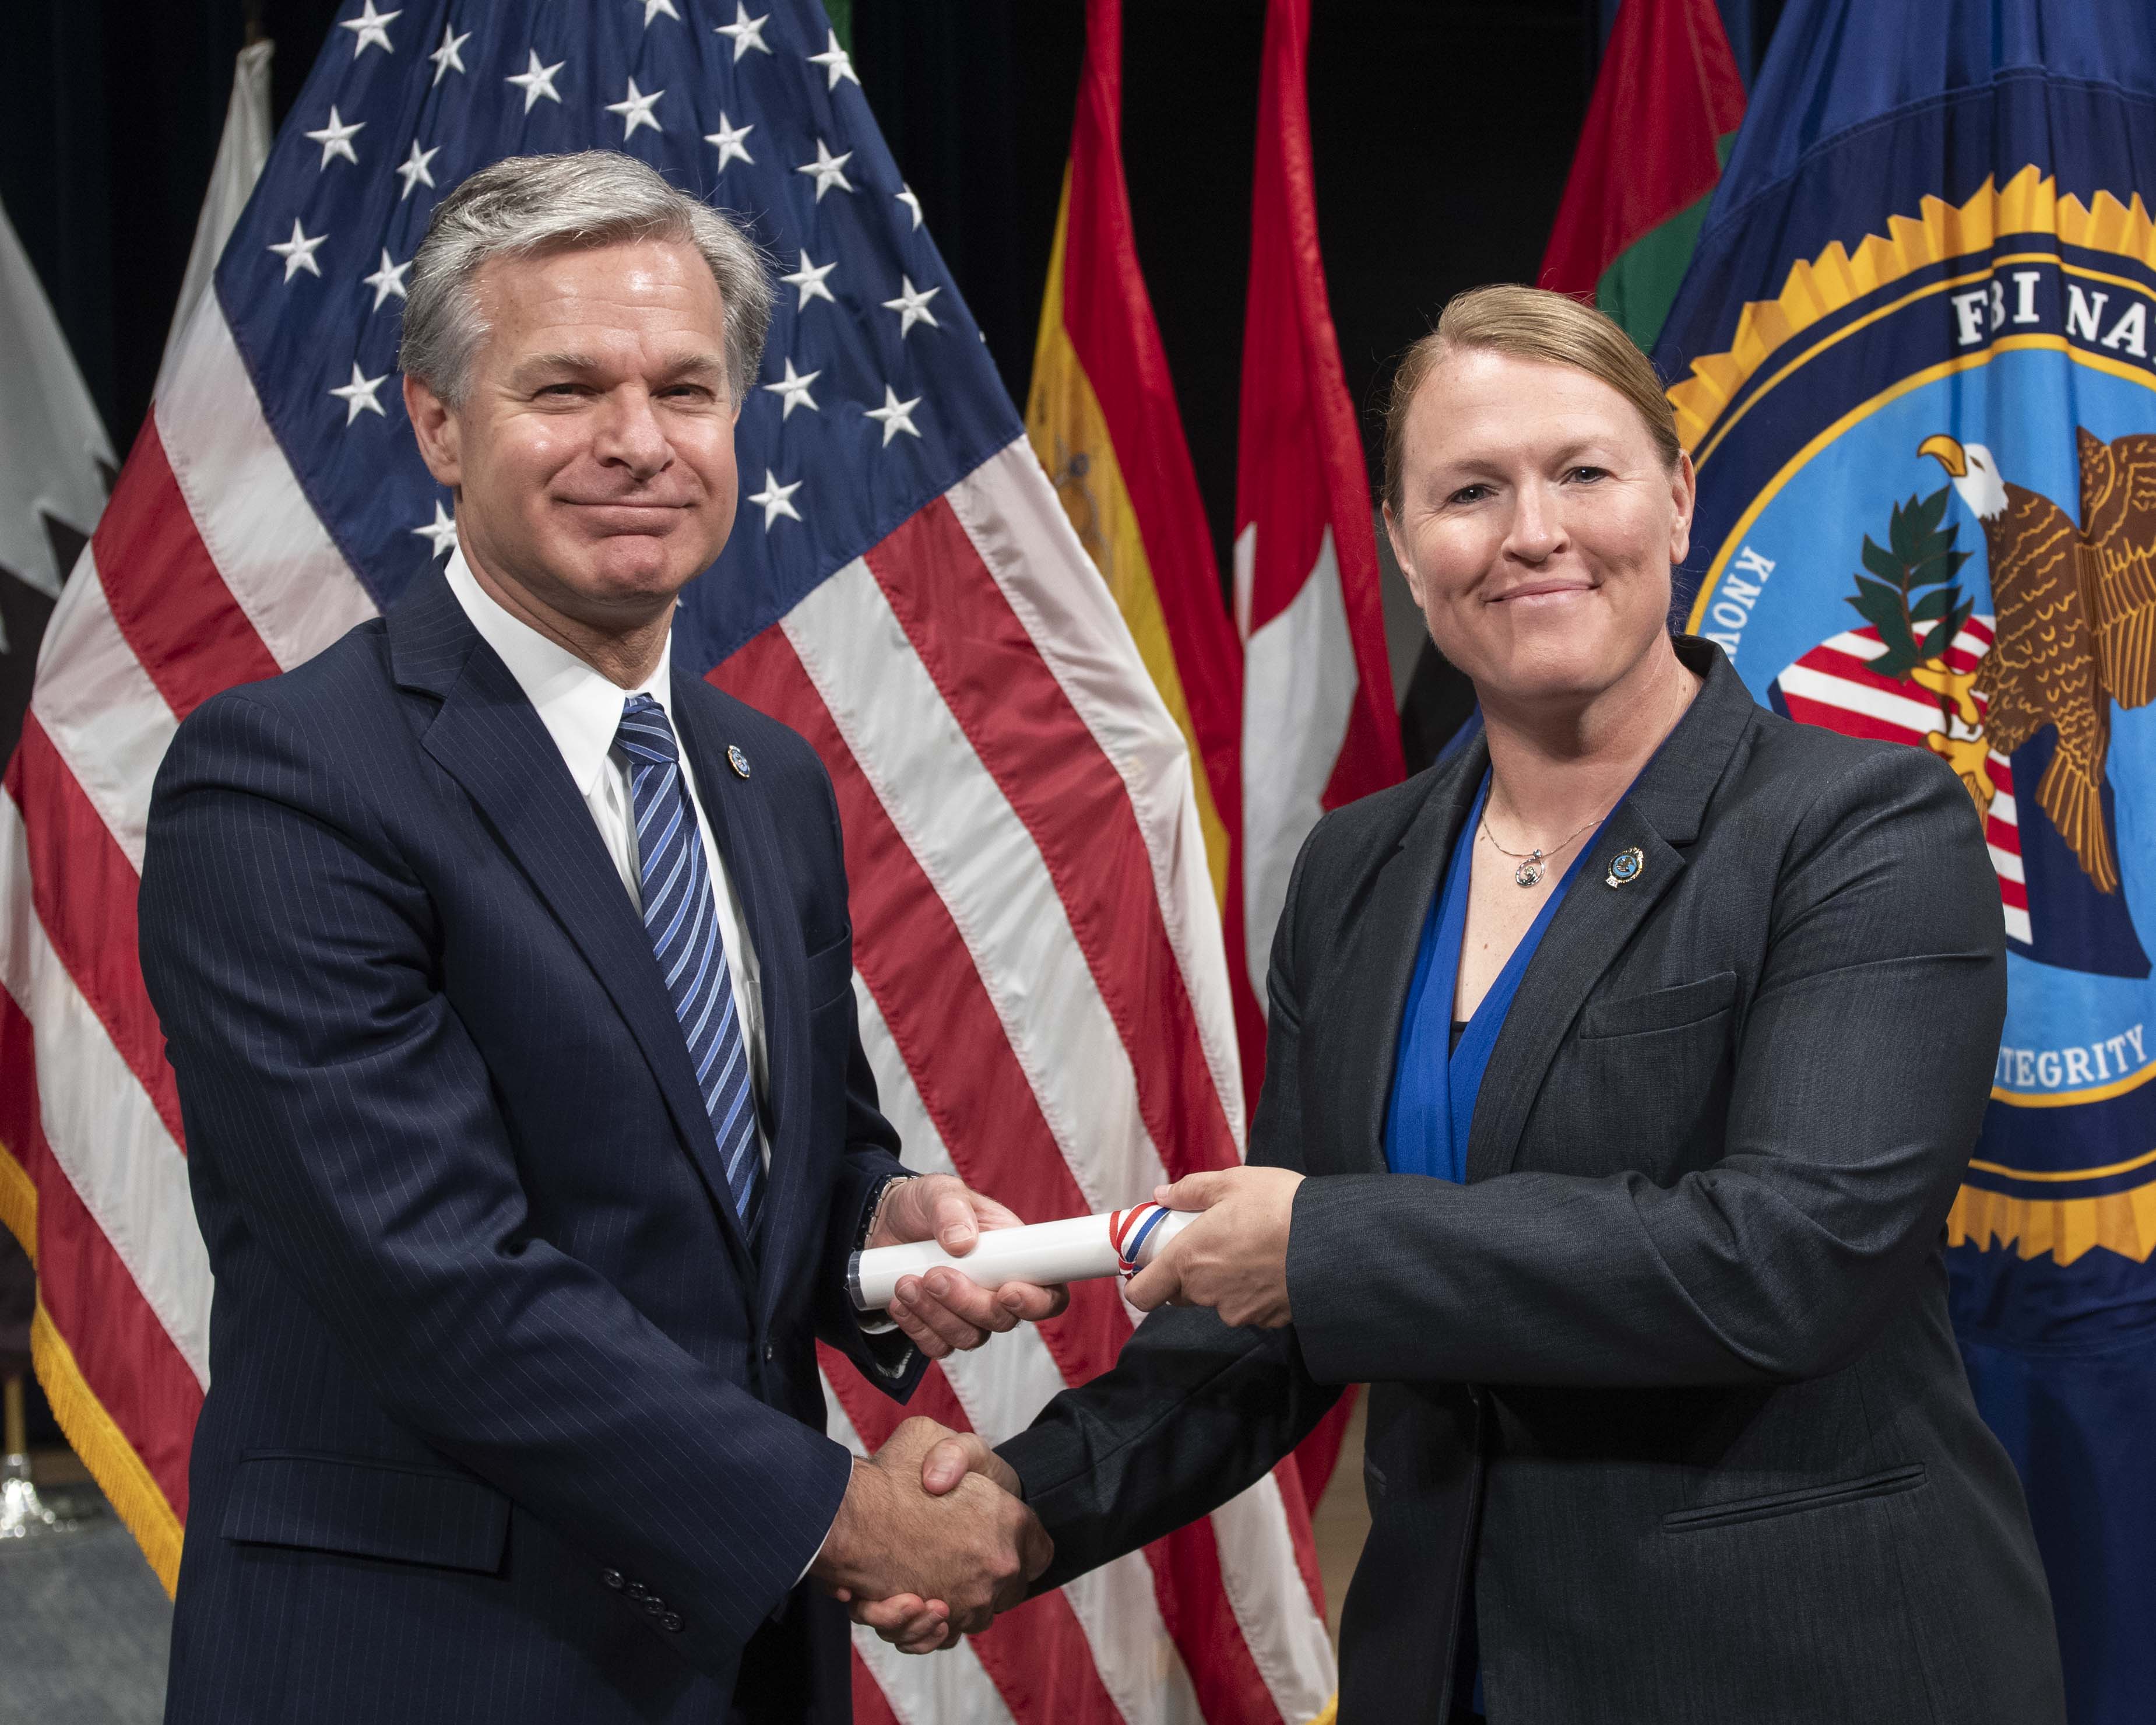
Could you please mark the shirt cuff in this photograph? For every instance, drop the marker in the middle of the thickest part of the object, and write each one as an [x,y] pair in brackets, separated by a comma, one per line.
[820,1544]
[875,1324]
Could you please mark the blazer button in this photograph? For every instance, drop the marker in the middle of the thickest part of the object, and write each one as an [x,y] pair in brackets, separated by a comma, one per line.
[672,1622]
[612,1577]
[770,1352]
[638,1591]
[654,1607]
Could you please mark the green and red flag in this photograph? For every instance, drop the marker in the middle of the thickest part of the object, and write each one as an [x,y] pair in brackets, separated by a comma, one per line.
[1666,108]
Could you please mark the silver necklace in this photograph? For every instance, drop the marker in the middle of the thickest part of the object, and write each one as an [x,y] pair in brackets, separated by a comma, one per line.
[1532,868]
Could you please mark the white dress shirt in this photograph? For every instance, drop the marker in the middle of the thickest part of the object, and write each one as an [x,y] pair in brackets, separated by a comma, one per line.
[582,711]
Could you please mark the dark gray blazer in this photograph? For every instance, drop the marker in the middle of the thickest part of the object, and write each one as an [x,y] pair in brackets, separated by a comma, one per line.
[1673,1369]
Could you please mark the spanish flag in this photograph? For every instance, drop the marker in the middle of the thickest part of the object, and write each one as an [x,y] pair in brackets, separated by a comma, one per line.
[1103,417]
[1666,108]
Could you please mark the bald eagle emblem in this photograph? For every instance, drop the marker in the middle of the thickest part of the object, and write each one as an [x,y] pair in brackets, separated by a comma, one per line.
[2075,627]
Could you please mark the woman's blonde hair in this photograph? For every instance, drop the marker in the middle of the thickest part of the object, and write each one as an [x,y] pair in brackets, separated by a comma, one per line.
[1529,323]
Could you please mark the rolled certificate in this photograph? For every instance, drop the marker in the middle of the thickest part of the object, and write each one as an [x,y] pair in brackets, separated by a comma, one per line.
[1122,1242]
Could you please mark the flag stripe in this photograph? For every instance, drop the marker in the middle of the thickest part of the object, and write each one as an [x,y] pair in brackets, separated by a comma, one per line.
[870,1707]
[106,721]
[185,631]
[1072,802]
[276,558]
[1023,538]
[1268,1566]
[943,1024]
[901,920]
[985,867]
[85,890]
[105,1137]
[1001,1388]
[131,1422]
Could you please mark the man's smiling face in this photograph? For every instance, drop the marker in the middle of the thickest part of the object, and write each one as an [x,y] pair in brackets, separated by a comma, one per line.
[593,451]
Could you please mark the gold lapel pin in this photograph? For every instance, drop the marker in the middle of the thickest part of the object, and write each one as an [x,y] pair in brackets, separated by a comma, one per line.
[739,762]
[1626,867]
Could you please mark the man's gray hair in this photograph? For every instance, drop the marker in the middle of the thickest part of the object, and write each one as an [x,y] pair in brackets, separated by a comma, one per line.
[528,205]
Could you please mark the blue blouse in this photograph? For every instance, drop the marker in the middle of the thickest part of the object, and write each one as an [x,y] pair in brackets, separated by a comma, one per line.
[1433,1092]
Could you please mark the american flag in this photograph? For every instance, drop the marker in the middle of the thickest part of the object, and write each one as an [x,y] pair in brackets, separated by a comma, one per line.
[1040,974]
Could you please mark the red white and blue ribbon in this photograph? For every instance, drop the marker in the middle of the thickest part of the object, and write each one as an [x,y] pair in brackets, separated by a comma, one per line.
[1129,1230]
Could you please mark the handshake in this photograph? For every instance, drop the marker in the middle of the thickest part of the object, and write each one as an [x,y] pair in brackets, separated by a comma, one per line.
[932,1540]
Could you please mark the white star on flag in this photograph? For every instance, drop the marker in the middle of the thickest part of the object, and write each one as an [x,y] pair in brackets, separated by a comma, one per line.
[358,395]
[912,307]
[446,58]
[635,110]
[772,499]
[794,391]
[371,27]
[906,195]
[747,31]
[299,252]
[336,138]
[728,137]
[412,169]
[894,415]
[835,60]
[826,168]
[388,280]
[536,81]
[441,532]
[655,8]
[808,281]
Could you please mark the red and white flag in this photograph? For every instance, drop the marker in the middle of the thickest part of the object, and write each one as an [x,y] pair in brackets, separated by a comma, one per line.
[1319,728]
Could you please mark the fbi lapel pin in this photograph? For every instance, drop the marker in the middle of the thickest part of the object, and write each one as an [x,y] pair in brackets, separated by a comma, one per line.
[1625,867]
[737,760]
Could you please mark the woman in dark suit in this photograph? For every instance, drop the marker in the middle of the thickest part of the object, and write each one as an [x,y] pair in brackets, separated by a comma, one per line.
[1621,1070]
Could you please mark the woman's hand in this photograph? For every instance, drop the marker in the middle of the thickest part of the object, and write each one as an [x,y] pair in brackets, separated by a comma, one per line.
[943,1313]
[1233,1257]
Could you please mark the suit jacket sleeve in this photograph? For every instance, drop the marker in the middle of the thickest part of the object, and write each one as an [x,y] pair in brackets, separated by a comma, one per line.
[330,1088]
[1861,1075]
[1192,1412]
[882,1354]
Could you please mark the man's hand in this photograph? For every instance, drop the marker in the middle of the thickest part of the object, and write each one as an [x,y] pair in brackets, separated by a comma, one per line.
[909,1622]
[956,1558]
[1233,1257]
[941,1313]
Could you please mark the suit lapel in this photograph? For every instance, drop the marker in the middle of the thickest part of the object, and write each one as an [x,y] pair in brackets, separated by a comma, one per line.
[487,737]
[747,832]
[1381,950]
[1661,815]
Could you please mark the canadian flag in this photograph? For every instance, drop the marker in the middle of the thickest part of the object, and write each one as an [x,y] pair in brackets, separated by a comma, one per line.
[1318,725]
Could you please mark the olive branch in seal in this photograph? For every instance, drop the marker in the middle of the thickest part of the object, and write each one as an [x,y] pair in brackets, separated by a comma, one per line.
[1911,596]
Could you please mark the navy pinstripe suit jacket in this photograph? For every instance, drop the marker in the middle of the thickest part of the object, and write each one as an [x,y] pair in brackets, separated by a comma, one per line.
[504,1422]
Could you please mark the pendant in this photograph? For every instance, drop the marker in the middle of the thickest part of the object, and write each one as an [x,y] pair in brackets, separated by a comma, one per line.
[1529,872]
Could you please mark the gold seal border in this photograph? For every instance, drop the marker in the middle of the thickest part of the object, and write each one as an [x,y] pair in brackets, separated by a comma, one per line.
[1818,287]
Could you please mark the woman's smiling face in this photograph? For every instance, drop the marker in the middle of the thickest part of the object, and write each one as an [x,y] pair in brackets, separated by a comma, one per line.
[1536,525]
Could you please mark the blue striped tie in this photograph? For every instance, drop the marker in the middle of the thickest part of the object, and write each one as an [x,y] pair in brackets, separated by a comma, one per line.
[683,923]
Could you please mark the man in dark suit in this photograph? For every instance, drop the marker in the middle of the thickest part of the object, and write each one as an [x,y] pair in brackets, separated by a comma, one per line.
[507,979]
